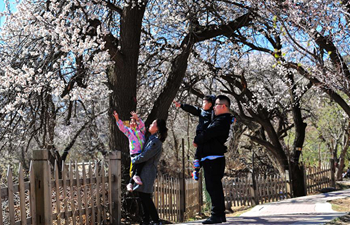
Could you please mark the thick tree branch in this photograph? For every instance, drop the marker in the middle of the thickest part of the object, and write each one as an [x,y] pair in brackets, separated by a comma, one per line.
[207,32]
[332,94]
[327,44]
[113,7]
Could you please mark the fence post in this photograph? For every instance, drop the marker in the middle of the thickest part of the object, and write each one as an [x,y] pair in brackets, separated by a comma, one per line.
[43,205]
[114,175]
[182,198]
[332,173]
[182,185]
[288,184]
[305,178]
[200,194]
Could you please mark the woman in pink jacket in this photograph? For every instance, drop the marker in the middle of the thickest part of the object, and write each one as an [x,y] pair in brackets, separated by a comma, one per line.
[136,135]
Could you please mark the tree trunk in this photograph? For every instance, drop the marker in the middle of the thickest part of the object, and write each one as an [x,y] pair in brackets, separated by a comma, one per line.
[298,185]
[178,70]
[341,164]
[123,77]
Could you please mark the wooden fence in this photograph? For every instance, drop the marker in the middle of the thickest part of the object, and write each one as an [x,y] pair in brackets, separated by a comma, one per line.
[177,198]
[85,193]
[167,198]
[193,197]
[272,188]
[90,193]
[254,190]
[317,178]
[238,192]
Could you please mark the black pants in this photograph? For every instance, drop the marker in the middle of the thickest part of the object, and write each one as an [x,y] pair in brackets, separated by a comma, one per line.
[213,173]
[148,207]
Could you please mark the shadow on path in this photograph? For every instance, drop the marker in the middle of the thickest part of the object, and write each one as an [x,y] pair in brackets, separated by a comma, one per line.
[297,219]
[312,209]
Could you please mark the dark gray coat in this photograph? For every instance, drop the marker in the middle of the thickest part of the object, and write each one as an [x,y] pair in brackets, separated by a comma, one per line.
[150,154]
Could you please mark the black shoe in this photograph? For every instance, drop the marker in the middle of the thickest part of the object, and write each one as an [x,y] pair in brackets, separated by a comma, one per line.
[212,220]
[223,219]
[157,223]
[144,223]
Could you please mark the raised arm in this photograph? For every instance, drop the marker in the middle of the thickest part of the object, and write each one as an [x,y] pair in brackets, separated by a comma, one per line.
[120,124]
[142,127]
[196,111]
[188,108]
[141,124]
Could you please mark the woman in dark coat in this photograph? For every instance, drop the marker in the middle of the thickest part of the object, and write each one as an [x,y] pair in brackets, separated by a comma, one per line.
[150,155]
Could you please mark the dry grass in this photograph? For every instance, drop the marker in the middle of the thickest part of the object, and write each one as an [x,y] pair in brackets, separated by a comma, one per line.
[341,205]
[237,211]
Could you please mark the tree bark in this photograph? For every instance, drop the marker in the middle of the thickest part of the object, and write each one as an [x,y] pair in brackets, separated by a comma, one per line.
[123,76]
[177,73]
[341,164]
[298,184]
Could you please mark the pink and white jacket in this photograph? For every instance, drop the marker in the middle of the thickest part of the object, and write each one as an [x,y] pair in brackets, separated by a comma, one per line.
[136,136]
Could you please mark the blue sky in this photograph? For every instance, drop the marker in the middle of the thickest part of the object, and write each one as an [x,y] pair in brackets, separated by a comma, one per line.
[2,8]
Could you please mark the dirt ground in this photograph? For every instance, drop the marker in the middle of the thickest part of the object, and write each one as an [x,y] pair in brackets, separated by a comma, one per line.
[341,205]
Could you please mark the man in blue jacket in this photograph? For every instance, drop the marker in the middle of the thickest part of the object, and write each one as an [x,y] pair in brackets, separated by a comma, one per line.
[212,141]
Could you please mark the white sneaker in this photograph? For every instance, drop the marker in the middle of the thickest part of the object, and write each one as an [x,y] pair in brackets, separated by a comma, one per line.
[130,187]
[137,180]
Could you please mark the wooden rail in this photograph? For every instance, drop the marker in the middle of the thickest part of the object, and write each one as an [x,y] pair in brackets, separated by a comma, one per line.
[253,190]
[250,190]
[81,194]
[90,193]
[169,198]
[317,178]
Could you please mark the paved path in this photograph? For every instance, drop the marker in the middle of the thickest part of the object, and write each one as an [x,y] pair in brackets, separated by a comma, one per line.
[313,209]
